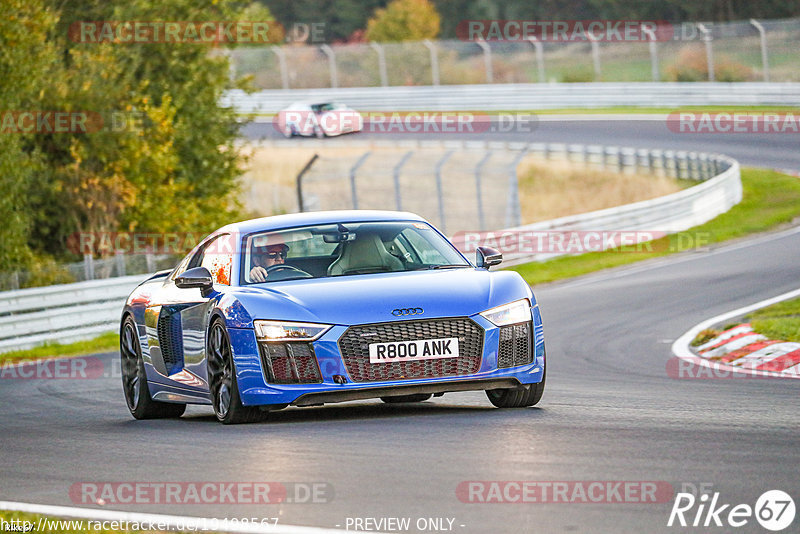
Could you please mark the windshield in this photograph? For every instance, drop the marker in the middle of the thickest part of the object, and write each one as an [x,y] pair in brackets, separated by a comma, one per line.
[345,249]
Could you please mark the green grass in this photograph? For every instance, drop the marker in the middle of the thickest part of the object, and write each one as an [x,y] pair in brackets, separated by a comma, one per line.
[104,343]
[780,321]
[770,199]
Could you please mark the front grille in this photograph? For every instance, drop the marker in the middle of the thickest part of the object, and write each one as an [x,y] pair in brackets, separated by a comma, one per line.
[354,347]
[290,363]
[515,347]
[170,340]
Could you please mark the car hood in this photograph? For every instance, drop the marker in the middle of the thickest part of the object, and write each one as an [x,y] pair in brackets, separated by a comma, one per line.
[371,298]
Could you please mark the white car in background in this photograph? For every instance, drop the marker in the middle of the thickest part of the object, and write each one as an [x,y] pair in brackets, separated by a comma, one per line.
[321,119]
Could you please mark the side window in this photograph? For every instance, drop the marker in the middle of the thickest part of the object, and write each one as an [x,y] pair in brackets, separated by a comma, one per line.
[218,258]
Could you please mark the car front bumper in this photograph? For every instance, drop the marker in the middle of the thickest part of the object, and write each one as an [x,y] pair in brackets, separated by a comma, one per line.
[337,385]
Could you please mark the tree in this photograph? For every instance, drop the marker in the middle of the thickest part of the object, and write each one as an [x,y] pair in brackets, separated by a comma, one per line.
[404,20]
[26,60]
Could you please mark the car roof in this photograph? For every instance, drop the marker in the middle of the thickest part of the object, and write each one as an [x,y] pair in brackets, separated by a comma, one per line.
[308,218]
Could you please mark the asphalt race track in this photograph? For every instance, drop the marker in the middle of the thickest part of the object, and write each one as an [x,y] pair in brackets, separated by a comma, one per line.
[781,151]
[610,410]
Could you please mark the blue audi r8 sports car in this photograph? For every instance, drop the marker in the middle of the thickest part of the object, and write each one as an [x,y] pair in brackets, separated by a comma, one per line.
[321,307]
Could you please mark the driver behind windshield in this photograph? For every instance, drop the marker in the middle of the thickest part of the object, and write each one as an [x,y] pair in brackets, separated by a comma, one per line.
[266,257]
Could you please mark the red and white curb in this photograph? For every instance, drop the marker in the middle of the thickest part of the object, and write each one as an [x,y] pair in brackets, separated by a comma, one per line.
[165,522]
[740,349]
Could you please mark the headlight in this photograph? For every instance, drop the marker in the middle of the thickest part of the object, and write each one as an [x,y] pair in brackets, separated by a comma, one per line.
[515,312]
[286,331]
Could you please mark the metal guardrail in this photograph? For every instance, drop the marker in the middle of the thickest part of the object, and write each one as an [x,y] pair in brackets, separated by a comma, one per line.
[669,214]
[62,313]
[528,96]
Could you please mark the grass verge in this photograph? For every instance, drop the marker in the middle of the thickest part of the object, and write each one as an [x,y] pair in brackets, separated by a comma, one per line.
[104,343]
[770,199]
[780,321]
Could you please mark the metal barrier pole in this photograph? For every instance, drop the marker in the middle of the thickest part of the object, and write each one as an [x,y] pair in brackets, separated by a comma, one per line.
[381,63]
[513,210]
[764,55]
[353,170]
[709,50]
[651,36]
[440,189]
[299,182]
[478,191]
[332,63]
[434,61]
[282,62]
[396,177]
[487,60]
[595,54]
[88,267]
[539,57]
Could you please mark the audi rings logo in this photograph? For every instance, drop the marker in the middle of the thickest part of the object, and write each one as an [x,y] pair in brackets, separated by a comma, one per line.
[398,312]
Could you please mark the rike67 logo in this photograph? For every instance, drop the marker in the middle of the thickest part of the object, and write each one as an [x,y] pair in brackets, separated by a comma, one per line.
[774,510]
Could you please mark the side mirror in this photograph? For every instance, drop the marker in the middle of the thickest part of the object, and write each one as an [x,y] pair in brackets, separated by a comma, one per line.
[485,257]
[197,277]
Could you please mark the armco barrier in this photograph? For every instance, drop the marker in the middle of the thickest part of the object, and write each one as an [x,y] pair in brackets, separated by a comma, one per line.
[528,96]
[70,312]
[62,313]
[671,213]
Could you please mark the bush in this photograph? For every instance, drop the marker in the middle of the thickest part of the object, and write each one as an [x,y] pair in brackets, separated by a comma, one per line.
[578,75]
[692,66]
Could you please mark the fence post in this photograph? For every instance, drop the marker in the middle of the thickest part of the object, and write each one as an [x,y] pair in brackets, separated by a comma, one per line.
[434,61]
[440,189]
[539,57]
[119,259]
[332,63]
[651,37]
[595,55]
[353,170]
[478,191]
[150,260]
[764,55]
[487,60]
[513,210]
[709,51]
[299,181]
[88,267]
[396,177]
[381,63]
[282,62]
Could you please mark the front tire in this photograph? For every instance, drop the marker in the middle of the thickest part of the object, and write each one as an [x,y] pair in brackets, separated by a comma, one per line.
[222,382]
[518,398]
[134,379]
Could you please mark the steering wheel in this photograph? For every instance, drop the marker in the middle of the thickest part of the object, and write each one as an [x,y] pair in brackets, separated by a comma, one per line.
[287,269]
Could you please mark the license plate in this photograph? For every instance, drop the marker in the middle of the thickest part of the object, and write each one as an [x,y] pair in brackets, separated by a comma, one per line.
[410,351]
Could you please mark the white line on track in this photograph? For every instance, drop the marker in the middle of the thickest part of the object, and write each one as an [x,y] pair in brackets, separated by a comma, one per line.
[681,346]
[172,521]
